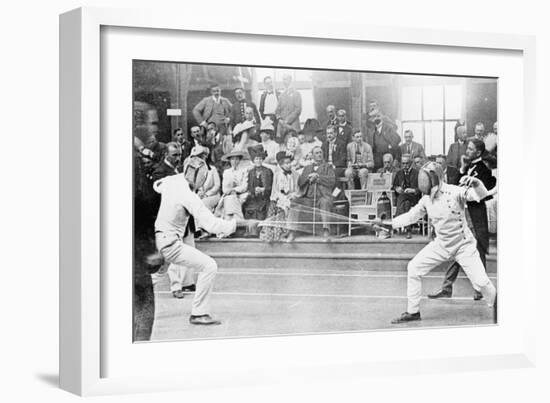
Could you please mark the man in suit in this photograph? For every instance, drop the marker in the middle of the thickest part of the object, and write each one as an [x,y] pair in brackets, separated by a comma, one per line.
[411,147]
[405,184]
[268,102]
[170,164]
[239,107]
[359,159]
[472,165]
[334,152]
[316,184]
[458,149]
[344,131]
[214,108]
[331,116]
[384,140]
[288,110]
[185,144]
[451,175]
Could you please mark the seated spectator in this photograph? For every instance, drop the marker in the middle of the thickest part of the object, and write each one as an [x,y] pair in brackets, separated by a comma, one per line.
[344,131]
[179,137]
[359,160]
[218,147]
[241,139]
[170,164]
[491,141]
[451,175]
[316,184]
[411,147]
[234,186]
[291,149]
[457,149]
[209,191]
[260,180]
[240,110]
[308,141]
[405,184]
[479,131]
[271,147]
[388,166]
[283,191]
[418,162]
[334,152]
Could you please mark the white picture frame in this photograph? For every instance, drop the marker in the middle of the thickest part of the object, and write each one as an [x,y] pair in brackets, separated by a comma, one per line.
[82,194]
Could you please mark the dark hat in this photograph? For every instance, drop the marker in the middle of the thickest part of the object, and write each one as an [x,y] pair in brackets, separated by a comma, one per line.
[281,155]
[257,151]
[312,126]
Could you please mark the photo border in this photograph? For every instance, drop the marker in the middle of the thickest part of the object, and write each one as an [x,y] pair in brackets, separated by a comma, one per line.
[81,307]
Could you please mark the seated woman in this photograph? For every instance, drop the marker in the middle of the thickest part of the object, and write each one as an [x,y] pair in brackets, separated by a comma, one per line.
[271,147]
[241,136]
[260,180]
[209,191]
[234,186]
[284,189]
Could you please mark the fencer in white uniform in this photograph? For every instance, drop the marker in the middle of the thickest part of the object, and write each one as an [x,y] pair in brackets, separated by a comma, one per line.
[445,206]
[178,203]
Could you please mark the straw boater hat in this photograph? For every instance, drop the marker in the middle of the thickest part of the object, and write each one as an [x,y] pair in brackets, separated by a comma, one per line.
[241,127]
[198,150]
[234,153]
[257,151]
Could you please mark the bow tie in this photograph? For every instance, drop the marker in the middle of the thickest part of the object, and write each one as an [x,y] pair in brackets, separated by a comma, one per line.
[286,173]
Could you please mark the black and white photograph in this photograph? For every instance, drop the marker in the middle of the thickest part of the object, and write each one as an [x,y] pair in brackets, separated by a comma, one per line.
[271,201]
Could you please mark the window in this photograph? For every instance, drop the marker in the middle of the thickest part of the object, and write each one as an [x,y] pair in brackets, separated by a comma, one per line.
[431,112]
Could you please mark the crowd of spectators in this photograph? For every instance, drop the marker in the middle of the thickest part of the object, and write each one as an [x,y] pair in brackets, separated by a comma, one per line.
[258,162]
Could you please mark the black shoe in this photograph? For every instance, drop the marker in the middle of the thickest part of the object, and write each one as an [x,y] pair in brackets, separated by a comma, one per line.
[477,296]
[406,317]
[440,294]
[178,294]
[189,288]
[203,320]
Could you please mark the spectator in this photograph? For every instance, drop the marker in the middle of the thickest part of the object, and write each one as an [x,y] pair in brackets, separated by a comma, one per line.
[491,141]
[359,160]
[270,147]
[284,190]
[292,150]
[214,108]
[260,180]
[344,131]
[218,147]
[238,109]
[334,152]
[316,184]
[405,184]
[418,162]
[234,186]
[331,117]
[479,131]
[411,147]
[241,140]
[179,137]
[288,109]
[450,174]
[308,141]
[268,102]
[209,191]
[458,149]
[388,167]
[384,140]
[170,164]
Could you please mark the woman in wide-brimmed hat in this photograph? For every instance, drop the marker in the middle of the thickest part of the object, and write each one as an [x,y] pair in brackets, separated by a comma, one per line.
[283,190]
[312,129]
[234,186]
[241,135]
[260,180]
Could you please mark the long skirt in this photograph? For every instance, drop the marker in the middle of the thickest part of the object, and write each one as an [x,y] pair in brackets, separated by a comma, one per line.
[278,231]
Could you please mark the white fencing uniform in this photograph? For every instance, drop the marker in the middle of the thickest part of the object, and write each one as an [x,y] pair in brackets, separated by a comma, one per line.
[178,202]
[453,240]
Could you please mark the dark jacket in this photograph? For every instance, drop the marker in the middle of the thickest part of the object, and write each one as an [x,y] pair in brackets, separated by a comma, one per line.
[453,175]
[456,150]
[344,133]
[325,183]
[162,170]
[401,180]
[262,102]
[386,141]
[237,112]
[339,155]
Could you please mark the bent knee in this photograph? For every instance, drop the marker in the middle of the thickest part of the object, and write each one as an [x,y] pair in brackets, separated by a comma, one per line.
[210,266]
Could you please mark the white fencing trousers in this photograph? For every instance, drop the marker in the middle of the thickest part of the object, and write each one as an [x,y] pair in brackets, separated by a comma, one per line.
[434,254]
[176,252]
[180,277]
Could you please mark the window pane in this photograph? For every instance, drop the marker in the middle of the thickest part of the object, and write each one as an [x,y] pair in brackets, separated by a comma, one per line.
[411,98]
[434,138]
[433,102]
[417,129]
[453,101]
[449,134]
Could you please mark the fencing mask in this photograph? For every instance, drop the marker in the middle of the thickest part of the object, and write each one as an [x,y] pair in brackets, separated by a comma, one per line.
[429,176]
